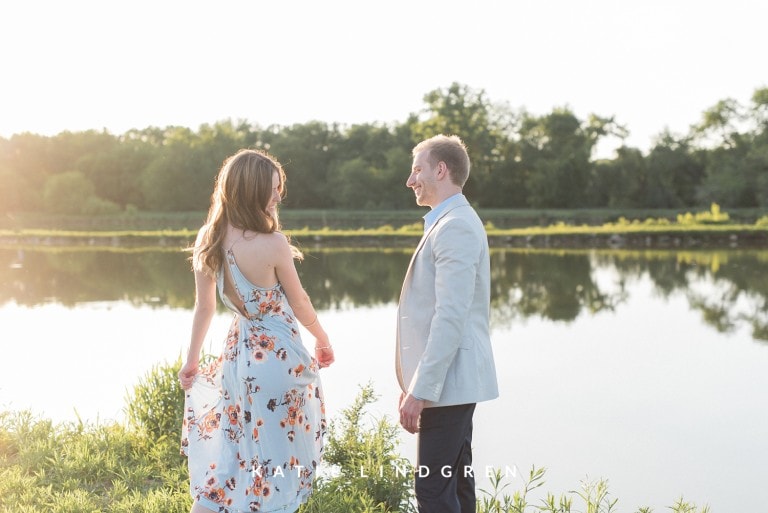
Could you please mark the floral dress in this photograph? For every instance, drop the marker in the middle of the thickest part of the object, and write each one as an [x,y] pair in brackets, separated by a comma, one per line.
[254,419]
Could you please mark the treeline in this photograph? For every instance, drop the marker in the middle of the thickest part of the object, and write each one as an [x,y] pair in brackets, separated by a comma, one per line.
[519,160]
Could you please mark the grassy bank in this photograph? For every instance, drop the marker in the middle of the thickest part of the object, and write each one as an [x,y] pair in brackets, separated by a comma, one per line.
[136,467]
[629,234]
[707,228]
[139,221]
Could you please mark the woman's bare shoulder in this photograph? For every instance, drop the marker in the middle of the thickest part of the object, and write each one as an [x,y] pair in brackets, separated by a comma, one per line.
[276,239]
[263,243]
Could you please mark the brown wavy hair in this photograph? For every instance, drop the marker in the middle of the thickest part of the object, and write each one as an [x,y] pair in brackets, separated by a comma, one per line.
[241,196]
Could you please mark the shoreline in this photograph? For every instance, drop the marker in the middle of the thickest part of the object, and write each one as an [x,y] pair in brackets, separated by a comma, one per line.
[558,236]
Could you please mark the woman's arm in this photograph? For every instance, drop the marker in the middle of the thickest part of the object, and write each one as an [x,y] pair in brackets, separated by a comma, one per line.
[305,313]
[205,308]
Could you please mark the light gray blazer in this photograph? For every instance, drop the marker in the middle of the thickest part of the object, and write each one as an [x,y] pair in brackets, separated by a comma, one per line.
[444,350]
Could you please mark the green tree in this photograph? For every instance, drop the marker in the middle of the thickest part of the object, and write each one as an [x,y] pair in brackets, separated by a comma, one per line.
[223,139]
[758,158]
[505,185]
[306,152]
[674,174]
[622,182]
[463,111]
[64,192]
[758,154]
[116,170]
[370,169]
[555,151]
[730,179]
[26,162]
[719,123]
[354,184]
[181,176]
[12,187]
[760,107]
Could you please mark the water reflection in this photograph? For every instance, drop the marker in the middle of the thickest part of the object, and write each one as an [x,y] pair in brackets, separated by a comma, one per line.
[553,285]
[71,275]
[729,288]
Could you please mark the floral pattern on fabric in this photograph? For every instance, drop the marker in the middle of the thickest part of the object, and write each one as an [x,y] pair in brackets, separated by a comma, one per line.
[254,419]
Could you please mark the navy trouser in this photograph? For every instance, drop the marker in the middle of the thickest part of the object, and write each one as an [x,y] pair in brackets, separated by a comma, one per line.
[445,480]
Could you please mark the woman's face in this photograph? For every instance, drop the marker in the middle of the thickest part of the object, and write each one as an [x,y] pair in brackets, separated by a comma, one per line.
[274,199]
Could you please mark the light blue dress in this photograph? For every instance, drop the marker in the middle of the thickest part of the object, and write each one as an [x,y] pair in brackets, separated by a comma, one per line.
[254,418]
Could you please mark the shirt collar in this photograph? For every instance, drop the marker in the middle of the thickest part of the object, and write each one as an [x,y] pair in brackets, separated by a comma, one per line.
[433,215]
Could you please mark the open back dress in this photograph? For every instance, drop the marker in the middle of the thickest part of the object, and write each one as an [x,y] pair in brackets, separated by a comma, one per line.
[254,419]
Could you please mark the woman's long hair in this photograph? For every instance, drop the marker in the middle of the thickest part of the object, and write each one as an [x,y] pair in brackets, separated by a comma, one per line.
[241,196]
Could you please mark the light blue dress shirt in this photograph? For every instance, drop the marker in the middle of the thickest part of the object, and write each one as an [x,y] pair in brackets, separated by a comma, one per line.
[434,214]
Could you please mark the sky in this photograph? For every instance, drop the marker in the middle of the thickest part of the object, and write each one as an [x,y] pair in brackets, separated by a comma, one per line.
[116,65]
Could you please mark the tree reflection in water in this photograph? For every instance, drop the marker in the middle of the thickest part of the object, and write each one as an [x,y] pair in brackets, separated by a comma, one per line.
[728,287]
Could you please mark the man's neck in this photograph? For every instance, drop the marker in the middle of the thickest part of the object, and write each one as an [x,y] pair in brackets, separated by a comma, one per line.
[444,195]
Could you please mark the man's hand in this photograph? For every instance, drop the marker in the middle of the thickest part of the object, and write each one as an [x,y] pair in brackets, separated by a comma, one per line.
[410,411]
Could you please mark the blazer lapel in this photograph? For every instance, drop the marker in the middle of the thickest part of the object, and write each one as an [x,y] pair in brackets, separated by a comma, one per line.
[459,202]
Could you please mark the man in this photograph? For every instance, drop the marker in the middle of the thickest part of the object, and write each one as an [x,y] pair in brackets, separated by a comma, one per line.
[444,360]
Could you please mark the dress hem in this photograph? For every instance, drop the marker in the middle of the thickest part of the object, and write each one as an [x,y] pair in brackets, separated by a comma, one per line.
[287,508]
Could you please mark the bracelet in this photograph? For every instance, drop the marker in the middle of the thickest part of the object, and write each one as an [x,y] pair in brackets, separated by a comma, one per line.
[323,347]
[311,323]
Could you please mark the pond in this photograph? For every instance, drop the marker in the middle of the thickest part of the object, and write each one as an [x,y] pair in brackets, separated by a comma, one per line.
[647,368]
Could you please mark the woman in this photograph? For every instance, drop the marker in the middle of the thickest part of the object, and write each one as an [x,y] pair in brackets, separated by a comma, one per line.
[254,418]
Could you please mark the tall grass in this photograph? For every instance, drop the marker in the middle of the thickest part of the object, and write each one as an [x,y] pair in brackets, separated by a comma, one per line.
[364,461]
[68,468]
[136,466]
[593,496]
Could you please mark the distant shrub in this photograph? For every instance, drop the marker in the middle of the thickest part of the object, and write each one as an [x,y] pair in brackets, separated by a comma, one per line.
[94,206]
[413,227]
[713,216]
[658,221]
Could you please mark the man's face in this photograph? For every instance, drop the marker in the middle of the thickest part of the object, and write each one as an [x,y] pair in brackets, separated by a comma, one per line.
[423,180]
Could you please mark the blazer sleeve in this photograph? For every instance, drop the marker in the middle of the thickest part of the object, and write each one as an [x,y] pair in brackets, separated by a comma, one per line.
[456,252]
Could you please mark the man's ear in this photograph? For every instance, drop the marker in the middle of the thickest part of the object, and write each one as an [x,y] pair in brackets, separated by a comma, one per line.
[442,170]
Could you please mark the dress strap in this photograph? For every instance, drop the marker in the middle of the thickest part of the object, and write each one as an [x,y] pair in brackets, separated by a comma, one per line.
[236,241]
[231,277]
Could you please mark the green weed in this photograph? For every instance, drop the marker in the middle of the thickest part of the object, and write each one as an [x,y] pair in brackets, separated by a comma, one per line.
[592,497]
[78,467]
